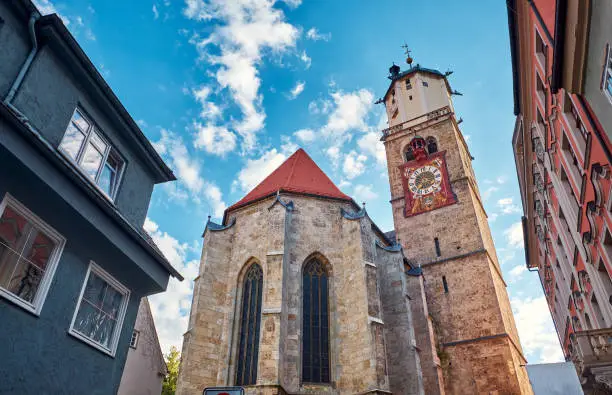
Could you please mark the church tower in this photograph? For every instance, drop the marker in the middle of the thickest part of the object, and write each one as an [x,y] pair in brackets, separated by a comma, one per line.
[442,226]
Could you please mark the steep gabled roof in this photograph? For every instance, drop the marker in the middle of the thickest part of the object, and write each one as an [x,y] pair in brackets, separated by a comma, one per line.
[298,174]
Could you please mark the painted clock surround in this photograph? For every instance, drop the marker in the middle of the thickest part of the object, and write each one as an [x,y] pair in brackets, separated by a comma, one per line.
[436,194]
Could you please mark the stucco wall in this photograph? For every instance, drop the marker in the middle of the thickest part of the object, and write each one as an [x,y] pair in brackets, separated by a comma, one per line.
[48,96]
[144,369]
[38,354]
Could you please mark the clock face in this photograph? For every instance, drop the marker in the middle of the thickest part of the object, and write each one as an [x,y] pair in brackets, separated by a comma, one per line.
[425,180]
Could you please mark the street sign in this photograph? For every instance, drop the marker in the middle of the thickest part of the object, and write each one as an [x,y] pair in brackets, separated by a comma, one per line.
[224,391]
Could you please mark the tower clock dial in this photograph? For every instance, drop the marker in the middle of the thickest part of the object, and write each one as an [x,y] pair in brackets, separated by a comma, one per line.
[425,180]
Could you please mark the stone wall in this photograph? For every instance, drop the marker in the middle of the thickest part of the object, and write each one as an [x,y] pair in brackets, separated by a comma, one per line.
[477,341]
[282,240]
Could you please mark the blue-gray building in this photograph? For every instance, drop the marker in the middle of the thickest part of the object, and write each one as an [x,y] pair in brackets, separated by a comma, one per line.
[76,177]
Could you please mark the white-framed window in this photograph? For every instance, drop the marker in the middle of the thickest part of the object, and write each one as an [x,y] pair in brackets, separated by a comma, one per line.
[606,85]
[29,253]
[98,317]
[86,146]
[134,338]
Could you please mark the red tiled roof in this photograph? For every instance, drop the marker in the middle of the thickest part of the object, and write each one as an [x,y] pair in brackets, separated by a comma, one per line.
[298,174]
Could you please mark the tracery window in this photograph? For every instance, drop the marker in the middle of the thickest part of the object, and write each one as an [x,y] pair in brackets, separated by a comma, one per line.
[315,323]
[432,145]
[250,320]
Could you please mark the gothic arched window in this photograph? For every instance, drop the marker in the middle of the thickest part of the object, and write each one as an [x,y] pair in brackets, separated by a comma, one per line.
[432,145]
[315,323]
[250,320]
[409,154]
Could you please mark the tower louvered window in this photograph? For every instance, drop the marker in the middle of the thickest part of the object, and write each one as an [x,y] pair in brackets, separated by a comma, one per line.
[250,320]
[315,323]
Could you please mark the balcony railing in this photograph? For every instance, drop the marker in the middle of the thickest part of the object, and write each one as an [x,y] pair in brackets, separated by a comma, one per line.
[591,352]
[417,123]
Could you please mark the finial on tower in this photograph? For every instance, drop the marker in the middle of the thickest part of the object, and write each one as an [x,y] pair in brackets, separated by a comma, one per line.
[407,52]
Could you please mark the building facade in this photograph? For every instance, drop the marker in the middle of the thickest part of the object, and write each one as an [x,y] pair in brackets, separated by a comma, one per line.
[299,292]
[562,69]
[76,176]
[145,367]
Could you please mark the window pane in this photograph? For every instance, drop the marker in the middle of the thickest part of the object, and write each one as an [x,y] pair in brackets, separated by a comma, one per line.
[12,227]
[95,290]
[97,141]
[112,302]
[80,121]
[72,141]
[248,351]
[91,161]
[8,263]
[110,174]
[25,280]
[39,250]
[98,311]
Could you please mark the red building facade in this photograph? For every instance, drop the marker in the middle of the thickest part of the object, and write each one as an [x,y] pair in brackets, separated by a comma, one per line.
[560,54]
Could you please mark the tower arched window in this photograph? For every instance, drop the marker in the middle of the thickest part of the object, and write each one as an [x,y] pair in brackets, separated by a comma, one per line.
[315,323]
[250,320]
[409,154]
[432,145]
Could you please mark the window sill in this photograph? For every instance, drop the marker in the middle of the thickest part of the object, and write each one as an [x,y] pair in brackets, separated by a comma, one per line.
[30,308]
[91,343]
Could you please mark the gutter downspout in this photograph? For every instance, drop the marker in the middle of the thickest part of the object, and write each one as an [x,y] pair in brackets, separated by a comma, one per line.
[26,65]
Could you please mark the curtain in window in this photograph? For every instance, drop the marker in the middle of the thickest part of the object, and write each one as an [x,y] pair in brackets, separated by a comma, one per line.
[250,319]
[315,323]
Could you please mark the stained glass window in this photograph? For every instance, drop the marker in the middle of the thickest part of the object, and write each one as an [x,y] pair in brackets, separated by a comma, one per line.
[100,311]
[250,320]
[315,323]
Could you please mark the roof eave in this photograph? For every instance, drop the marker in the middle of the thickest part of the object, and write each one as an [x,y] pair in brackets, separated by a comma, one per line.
[514,54]
[156,163]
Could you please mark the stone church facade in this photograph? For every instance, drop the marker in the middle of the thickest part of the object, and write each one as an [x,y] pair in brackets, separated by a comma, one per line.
[299,292]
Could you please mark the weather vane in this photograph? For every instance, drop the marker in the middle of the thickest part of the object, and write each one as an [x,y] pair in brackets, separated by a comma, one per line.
[407,52]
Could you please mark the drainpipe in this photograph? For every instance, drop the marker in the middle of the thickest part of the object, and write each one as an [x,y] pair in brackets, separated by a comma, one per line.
[28,62]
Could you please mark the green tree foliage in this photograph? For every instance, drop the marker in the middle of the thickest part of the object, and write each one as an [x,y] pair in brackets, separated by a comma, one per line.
[173,359]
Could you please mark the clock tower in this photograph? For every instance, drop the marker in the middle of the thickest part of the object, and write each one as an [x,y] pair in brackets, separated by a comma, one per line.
[467,338]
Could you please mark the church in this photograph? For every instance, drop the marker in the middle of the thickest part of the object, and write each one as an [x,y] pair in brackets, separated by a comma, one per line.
[300,292]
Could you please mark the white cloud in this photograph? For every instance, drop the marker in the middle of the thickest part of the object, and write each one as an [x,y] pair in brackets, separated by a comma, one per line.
[155,12]
[246,29]
[255,170]
[288,147]
[320,106]
[507,206]
[514,235]
[170,309]
[354,164]
[492,217]
[364,192]
[217,140]
[536,330]
[190,183]
[297,90]
[488,192]
[370,143]
[333,153]
[210,110]
[305,135]
[516,273]
[89,34]
[47,7]
[306,59]
[350,112]
[501,179]
[315,35]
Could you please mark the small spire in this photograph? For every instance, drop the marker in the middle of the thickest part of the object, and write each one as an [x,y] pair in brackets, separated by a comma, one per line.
[208,217]
[363,203]
[407,52]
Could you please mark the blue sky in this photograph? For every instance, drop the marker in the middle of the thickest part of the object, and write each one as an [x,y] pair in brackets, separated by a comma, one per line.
[227,90]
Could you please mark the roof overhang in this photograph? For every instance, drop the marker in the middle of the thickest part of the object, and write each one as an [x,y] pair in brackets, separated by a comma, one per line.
[414,70]
[52,31]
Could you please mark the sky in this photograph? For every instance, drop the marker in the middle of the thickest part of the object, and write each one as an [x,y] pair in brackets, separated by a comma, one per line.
[226,90]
